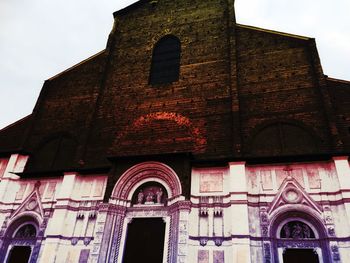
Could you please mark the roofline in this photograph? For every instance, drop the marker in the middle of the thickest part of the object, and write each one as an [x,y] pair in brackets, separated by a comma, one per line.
[338,80]
[274,32]
[16,122]
[128,8]
[76,65]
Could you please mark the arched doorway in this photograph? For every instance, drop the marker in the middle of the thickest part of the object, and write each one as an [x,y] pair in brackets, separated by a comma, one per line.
[19,243]
[296,230]
[298,237]
[149,214]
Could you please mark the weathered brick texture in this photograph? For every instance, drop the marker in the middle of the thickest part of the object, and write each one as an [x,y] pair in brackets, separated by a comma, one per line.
[242,92]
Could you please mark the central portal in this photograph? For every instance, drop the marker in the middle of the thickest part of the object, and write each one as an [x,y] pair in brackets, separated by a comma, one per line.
[300,256]
[145,240]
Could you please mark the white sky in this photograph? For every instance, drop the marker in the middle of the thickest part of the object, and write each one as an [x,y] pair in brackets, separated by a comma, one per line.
[39,38]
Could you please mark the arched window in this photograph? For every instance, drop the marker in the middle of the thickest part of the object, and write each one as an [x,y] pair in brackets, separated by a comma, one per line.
[165,67]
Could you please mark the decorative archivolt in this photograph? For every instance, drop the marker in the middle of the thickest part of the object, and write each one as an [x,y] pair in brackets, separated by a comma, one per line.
[147,172]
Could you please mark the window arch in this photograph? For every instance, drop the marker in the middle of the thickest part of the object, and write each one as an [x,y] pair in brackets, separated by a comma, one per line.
[165,67]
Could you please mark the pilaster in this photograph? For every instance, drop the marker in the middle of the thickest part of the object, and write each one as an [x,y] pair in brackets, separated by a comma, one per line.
[15,164]
[239,213]
[343,171]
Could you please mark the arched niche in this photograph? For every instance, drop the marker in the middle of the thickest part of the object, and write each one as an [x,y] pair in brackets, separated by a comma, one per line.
[147,173]
[283,137]
[149,193]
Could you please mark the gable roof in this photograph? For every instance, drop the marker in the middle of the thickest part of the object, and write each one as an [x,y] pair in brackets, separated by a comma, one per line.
[130,8]
[12,136]
[274,32]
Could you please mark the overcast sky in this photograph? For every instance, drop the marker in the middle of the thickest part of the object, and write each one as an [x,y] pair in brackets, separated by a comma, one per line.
[40,38]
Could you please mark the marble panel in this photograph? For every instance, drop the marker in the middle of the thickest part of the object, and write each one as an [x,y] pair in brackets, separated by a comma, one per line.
[297,174]
[281,176]
[99,186]
[314,179]
[21,191]
[218,256]
[211,182]
[203,256]
[86,188]
[50,190]
[84,255]
[266,179]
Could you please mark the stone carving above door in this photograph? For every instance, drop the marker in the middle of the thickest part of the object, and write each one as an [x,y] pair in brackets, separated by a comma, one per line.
[150,193]
[296,230]
[291,193]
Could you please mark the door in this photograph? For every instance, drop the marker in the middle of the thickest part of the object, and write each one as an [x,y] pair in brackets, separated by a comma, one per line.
[145,241]
[300,256]
[19,254]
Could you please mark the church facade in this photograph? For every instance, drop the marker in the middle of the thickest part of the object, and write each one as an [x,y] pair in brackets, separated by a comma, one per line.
[190,138]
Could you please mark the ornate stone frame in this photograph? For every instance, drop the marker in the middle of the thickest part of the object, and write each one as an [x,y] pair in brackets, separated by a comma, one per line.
[307,216]
[8,241]
[173,213]
[143,172]
[147,213]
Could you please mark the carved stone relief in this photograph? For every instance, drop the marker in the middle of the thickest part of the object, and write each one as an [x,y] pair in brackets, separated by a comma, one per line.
[296,230]
[267,252]
[335,252]
[150,194]
[264,222]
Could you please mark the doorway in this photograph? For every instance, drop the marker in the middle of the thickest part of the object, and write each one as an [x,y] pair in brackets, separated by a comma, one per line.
[145,240]
[19,254]
[300,255]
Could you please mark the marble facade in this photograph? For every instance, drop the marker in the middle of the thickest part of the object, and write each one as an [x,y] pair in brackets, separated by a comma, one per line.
[238,213]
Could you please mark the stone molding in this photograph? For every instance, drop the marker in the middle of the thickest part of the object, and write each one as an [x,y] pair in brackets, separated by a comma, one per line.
[143,172]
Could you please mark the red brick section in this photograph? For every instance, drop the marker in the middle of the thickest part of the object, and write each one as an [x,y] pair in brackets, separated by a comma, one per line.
[201,97]
[340,94]
[11,137]
[277,82]
[66,104]
[234,82]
